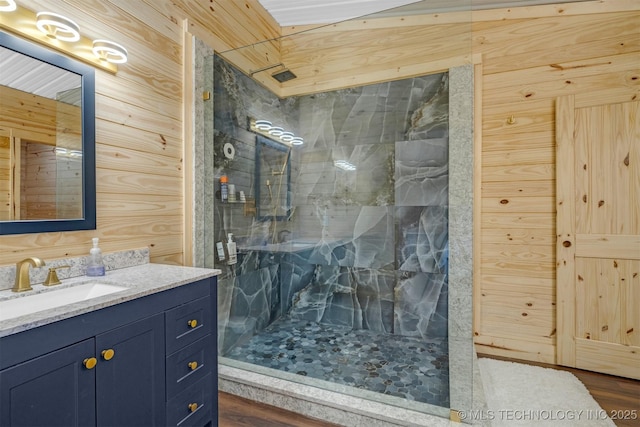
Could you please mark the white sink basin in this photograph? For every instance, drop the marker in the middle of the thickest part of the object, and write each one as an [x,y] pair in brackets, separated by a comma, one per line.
[20,306]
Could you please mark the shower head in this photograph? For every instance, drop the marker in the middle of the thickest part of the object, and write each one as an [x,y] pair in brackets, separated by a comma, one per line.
[284,75]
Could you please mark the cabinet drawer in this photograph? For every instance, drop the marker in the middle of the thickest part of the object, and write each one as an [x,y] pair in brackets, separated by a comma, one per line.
[193,406]
[188,323]
[188,365]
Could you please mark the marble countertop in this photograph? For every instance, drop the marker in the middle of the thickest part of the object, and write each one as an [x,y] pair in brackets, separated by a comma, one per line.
[140,280]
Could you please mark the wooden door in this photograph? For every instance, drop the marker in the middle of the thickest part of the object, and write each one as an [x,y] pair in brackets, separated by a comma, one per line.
[598,232]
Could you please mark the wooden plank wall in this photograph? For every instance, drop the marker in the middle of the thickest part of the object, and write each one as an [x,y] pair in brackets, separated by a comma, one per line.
[5,177]
[31,120]
[30,113]
[24,116]
[242,31]
[139,122]
[525,69]
[138,133]
[529,56]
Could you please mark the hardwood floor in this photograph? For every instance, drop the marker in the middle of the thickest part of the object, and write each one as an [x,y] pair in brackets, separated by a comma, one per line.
[614,394]
[234,411]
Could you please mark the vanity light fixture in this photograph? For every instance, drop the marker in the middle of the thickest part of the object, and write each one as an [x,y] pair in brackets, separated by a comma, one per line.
[62,34]
[8,5]
[266,128]
[57,27]
[276,131]
[263,125]
[286,137]
[110,51]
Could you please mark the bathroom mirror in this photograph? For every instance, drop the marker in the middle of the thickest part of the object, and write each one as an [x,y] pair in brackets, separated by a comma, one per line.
[273,179]
[47,140]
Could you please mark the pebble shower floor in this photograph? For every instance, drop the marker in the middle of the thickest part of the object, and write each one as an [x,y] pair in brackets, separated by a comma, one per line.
[408,367]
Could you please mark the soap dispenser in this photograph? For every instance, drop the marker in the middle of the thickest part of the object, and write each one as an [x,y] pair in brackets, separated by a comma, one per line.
[95,265]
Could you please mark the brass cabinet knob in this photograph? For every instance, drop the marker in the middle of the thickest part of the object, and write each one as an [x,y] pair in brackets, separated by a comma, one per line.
[108,354]
[192,323]
[193,365]
[90,362]
[193,407]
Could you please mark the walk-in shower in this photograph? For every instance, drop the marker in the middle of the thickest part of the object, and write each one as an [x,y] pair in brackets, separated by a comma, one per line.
[344,274]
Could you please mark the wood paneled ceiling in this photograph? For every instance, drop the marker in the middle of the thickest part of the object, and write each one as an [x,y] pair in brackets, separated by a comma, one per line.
[301,12]
[30,75]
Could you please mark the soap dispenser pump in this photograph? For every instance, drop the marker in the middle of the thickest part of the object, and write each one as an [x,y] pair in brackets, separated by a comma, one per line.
[95,266]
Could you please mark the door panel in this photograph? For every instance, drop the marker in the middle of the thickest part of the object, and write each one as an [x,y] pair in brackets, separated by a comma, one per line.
[598,234]
[52,390]
[130,380]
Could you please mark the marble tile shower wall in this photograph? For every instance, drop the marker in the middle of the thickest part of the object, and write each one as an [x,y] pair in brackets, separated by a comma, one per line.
[380,261]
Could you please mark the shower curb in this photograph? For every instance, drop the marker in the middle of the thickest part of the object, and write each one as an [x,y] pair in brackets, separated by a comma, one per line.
[321,404]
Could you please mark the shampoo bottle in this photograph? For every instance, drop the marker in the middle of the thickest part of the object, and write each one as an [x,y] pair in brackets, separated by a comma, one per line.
[95,265]
[231,249]
[224,189]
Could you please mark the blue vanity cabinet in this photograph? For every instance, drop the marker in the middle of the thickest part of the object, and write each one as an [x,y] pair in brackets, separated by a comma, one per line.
[190,364]
[132,364]
[64,388]
[52,390]
[130,373]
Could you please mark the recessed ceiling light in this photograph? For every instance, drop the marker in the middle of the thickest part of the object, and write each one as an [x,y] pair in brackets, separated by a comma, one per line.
[344,165]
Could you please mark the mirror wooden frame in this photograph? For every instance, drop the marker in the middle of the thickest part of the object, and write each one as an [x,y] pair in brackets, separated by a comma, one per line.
[87,74]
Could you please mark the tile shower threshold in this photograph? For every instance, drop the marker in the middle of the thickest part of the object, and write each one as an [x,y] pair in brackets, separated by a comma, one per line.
[320,399]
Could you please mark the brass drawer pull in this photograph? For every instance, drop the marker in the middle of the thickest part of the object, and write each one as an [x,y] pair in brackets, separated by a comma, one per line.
[108,354]
[192,323]
[193,407]
[90,362]
[193,365]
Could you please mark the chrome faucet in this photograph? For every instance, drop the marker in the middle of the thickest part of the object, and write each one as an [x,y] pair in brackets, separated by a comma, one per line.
[23,283]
